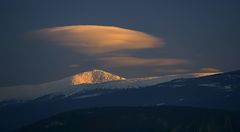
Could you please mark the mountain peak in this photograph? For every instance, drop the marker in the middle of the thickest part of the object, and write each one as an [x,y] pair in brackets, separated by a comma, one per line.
[94,76]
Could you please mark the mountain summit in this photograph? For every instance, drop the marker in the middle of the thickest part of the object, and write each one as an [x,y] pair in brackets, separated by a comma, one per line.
[94,76]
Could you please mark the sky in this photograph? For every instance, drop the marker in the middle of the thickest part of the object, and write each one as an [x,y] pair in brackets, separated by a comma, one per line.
[43,40]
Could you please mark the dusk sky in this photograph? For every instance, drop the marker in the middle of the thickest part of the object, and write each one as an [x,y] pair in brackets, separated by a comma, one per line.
[46,40]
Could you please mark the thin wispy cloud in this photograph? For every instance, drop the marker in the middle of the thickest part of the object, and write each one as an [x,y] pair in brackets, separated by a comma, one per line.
[73,66]
[207,72]
[135,61]
[172,70]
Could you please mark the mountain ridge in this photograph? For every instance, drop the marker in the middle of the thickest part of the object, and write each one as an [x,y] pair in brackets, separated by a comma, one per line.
[219,91]
[88,80]
[94,76]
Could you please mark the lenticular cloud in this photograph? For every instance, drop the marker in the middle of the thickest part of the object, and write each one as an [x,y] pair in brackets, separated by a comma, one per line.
[92,39]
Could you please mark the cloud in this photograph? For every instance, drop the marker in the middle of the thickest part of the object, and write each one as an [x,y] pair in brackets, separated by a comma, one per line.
[73,66]
[172,70]
[135,61]
[93,39]
[206,72]
[209,70]
[106,45]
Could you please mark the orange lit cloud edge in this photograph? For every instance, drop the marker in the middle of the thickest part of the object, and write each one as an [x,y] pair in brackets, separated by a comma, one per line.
[92,39]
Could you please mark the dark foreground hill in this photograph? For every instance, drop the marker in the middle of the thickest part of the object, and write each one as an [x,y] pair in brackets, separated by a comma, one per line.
[139,119]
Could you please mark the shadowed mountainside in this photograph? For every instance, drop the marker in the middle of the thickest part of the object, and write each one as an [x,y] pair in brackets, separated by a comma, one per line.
[139,119]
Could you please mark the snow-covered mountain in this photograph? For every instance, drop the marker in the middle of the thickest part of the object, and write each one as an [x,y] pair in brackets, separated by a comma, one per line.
[90,80]
[219,91]
[93,77]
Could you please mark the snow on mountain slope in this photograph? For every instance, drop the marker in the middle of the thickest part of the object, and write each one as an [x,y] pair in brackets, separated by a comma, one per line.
[95,79]
[94,76]
[137,82]
[64,86]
